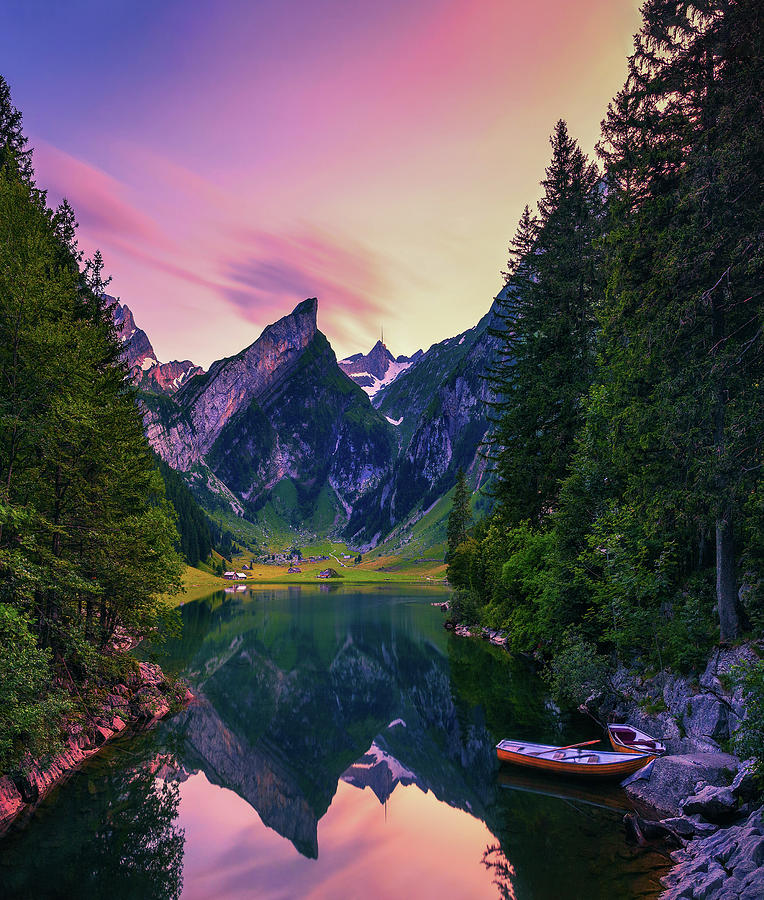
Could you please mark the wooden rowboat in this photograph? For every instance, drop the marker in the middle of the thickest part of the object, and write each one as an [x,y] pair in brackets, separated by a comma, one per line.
[578,761]
[628,739]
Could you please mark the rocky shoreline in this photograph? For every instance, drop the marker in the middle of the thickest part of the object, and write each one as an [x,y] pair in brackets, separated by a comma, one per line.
[137,703]
[704,799]
[707,798]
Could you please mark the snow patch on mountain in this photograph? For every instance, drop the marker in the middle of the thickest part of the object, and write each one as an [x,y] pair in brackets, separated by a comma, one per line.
[377,369]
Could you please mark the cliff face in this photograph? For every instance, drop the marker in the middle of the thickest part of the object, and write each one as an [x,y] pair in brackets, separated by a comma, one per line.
[313,426]
[439,407]
[210,402]
[279,411]
[137,350]
[283,419]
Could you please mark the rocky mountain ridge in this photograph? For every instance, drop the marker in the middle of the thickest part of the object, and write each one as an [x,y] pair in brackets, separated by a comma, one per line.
[283,429]
[145,370]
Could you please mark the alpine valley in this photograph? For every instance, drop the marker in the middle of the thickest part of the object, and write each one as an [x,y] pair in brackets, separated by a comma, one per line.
[283,444]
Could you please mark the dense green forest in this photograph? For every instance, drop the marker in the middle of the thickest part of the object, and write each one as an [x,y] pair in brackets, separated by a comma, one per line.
[87,535]
[630,412]
[194,530]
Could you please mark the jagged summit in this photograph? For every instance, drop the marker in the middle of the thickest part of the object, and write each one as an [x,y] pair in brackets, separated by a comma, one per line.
[145,369]
[377,368]
[138,352]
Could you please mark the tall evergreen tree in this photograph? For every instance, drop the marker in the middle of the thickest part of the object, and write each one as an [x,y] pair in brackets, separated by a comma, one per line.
[460,518]
[15,156]
[86,534]
[682,325]
[548,315]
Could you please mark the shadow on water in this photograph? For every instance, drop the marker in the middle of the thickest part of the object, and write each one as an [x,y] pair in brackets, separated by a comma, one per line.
[302,691]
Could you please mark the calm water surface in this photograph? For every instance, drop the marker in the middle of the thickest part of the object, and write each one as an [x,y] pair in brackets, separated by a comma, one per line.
[341,746]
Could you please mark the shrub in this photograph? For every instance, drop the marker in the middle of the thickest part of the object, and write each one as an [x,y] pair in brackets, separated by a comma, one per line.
[30,710]
[577,671]
[748,740]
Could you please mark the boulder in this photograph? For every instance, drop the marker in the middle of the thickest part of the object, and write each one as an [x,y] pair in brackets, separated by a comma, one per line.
[728,865]
[671,779]
[744,783]
[149,673]
[707,719]
[721,663]
[690,826]
[713,803]
[101,734]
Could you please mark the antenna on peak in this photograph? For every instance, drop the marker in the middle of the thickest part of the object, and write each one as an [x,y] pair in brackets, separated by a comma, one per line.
[382,334]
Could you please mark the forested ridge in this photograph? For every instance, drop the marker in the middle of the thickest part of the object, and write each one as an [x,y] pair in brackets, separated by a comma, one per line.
[630,413]
[87,535]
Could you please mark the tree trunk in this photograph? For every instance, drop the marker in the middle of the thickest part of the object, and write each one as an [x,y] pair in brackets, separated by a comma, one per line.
[726,588]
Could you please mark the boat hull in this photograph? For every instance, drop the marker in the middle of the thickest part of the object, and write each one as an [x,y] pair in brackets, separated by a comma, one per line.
[623,746]
[588,765]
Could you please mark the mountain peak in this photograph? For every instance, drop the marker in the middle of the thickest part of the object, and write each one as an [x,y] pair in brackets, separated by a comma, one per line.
[306,307]
[375,369]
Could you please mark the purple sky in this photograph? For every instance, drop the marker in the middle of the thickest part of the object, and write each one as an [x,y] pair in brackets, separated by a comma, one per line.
[232,158]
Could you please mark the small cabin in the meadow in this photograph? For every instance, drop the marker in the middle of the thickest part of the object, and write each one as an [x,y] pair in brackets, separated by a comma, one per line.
[328,573]
[229,575]
[241,574]
[293,570]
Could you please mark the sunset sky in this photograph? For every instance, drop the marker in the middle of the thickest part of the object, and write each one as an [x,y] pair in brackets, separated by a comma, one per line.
[231,158]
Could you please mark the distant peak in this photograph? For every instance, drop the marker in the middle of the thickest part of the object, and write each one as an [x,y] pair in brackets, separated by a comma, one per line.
[381,349]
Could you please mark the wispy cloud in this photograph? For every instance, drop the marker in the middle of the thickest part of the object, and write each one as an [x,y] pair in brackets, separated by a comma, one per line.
[101,201]
[277,270]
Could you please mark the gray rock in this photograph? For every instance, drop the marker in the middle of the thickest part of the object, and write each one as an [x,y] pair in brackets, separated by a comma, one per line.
[690,826]
[673,779]
[710,885]
[753,886]
[707,719]
[714,803]
[744,783]
[728,865]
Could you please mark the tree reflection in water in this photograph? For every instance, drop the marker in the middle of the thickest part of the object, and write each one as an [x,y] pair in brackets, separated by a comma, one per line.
[111,832]
[503,870]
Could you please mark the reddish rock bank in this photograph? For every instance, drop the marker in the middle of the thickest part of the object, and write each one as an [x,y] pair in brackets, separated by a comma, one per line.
[140,702]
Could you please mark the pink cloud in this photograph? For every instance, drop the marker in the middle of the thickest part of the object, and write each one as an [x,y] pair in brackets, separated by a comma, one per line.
[99,200]
[276,270]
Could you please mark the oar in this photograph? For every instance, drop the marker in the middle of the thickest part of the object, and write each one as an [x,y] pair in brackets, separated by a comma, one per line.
[571,746]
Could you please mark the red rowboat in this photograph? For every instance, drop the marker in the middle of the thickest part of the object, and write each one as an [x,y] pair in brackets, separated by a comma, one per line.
[628,739]
[578,761]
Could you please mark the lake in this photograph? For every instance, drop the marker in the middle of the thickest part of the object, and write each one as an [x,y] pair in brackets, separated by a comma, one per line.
[341,746]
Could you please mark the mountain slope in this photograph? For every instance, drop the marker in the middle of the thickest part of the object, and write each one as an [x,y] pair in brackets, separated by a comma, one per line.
[282,437]
[278,423]
[441,405]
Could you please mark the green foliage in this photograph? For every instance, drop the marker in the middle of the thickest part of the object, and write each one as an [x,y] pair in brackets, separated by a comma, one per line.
[86,534]
[548,316]
[460,518]
[577,670]
[749,738]
[30,708]
[192,522]
[630,408]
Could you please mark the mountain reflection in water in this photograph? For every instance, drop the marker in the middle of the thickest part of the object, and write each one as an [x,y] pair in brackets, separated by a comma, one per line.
[342,745]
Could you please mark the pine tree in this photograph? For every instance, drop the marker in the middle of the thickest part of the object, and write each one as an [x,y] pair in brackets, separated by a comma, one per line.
[15,156]
[548,355]
[86,534]
[460,518]
[682,323]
